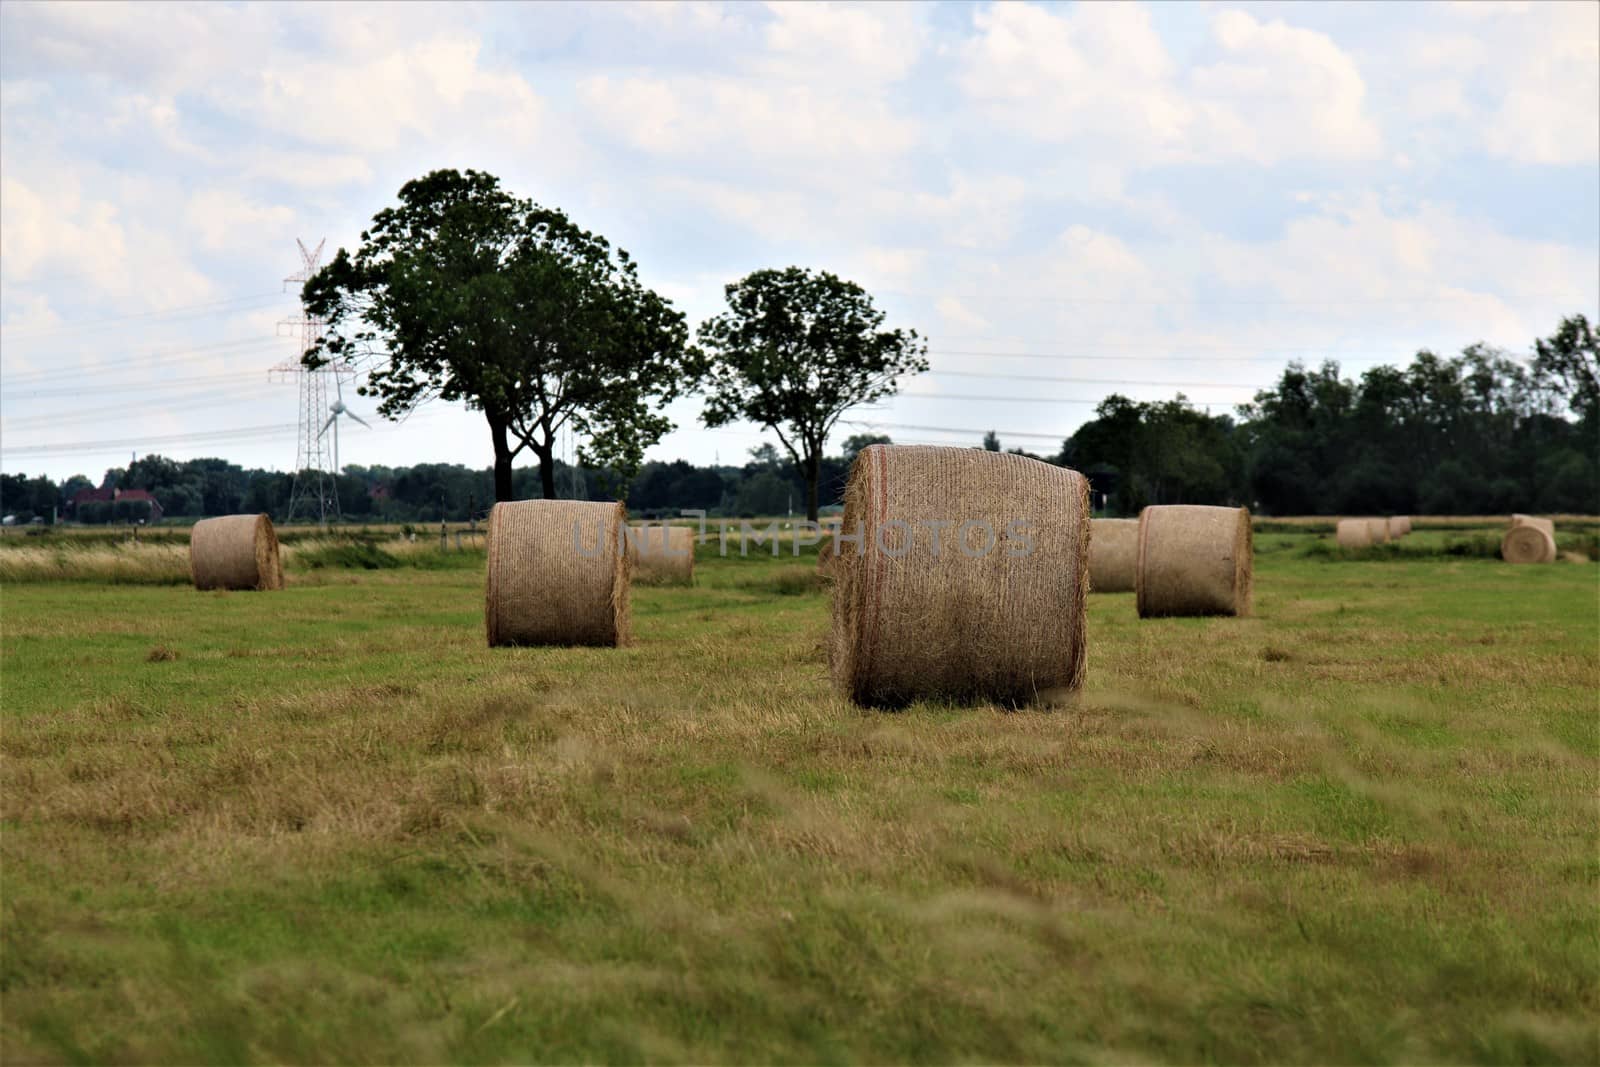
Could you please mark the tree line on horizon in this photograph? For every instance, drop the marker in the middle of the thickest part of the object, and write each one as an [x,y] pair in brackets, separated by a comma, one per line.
[1478,433]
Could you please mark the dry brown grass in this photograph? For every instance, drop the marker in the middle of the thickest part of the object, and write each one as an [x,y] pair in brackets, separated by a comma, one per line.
[409,847]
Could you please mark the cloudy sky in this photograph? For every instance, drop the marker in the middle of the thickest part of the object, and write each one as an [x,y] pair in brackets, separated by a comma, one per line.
[1066,200]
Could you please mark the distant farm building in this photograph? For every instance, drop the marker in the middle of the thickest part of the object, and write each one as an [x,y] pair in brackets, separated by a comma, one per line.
[110,504]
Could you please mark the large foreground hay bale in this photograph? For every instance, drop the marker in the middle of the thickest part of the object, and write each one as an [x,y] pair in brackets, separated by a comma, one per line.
[1194,560]
[662,555]
[235,552]
[558,574]
[1399,526]
[1113,555]
[994,613]
[1529,540]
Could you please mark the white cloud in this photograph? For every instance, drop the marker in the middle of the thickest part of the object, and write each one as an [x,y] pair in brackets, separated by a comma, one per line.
[1101,73]
[1100,69]
[852,45]
[1522,82]
[30,312]
[704,117]
[431,90]
[53,229]
[225,219]
[1284,93]
[955,313]
[1550,112]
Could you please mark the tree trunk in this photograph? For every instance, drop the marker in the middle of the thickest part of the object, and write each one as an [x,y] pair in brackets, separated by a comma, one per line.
[546,450]
[502,459]
[813,476]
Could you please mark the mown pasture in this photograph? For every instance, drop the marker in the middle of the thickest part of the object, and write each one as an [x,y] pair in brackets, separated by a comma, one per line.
[330,824]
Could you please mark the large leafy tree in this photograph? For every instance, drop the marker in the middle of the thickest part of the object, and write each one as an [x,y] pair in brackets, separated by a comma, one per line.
[463,292]
[795,350]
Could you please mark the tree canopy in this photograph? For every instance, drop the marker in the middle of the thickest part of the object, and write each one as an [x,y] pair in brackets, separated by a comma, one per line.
[795,350]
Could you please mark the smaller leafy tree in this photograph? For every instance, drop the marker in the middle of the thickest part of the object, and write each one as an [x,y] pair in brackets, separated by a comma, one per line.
[1568,361]
[795,350]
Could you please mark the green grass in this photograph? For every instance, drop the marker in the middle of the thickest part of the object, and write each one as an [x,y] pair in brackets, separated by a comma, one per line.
[328,824]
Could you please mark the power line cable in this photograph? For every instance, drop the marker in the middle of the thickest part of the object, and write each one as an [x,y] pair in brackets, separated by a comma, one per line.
[133,387]
[144,443]
[188,402]
[1089,381]
[1066,356]
[950,429]
[64,327]
[151,359]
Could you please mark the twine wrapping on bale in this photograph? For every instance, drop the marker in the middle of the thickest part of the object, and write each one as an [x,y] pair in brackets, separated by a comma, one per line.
[558,574]
[235,552]
[995,612]
[1529,540]
[1113,555]
[662,555]
[1194,560]
[1399,526]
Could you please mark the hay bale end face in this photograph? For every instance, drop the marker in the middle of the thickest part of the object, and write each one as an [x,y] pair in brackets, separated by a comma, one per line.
[1529,540]
[1113,555]
[558,574]
[235,552]
[991,610]
[662,555]
[1194,560]
[1353,533]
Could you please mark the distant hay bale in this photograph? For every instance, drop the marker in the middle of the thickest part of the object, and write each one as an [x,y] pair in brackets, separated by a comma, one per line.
[662,555]
[1113,555]
[1399,526]
[1194,560]
[1529,540]
[995,613]
[1353,533]
[558,574]
[235,552]
[1361,533]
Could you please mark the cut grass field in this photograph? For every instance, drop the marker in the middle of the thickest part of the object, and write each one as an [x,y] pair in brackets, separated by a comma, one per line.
[329,824]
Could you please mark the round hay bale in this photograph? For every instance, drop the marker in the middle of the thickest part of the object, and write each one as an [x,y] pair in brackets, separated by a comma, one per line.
[1113,555]
[1380,531]
[1194,560]
[1529,540]
[961,575]
[1353,533]
[235,552]
[662,555]
[558,574]
[1399,526]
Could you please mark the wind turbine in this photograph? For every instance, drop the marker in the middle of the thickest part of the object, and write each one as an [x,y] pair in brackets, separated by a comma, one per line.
[338,408]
